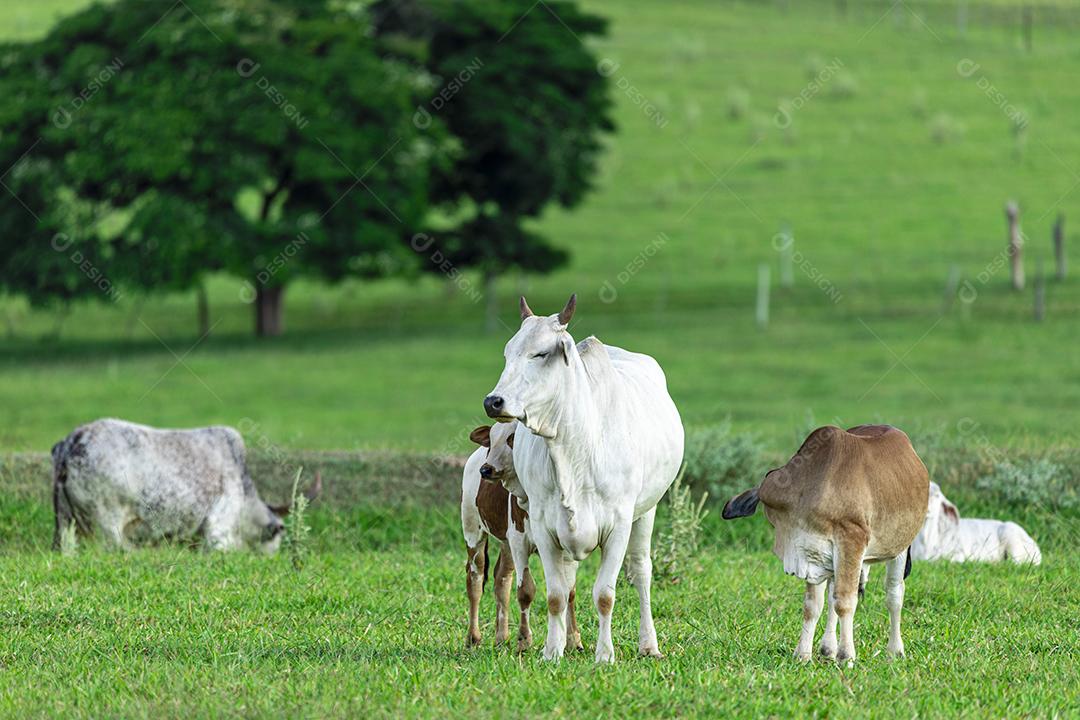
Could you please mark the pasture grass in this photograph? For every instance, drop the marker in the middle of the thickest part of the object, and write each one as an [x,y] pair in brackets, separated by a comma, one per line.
[374,624]
[880,212]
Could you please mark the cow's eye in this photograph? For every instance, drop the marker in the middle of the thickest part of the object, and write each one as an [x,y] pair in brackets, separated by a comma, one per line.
[541,355]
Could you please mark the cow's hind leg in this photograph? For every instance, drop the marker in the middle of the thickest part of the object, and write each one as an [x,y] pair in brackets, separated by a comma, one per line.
[894,597]
[847,570]
[573,632]
[504,578]
[475,570]
[813,601]
[639,572]
[827,646]
[526,587]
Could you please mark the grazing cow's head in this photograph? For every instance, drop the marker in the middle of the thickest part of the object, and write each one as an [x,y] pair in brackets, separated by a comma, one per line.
[262,524]
[498,466]
[537,362]
[942,517]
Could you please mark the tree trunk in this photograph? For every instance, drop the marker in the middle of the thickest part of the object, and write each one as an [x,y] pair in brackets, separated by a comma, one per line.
[491,304]
[1059,246]
[1016,245]
[269,310]
[203,310]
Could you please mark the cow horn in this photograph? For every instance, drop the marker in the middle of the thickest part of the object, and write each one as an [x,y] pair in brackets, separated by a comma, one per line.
[567,313]
[526,311]
[312,494]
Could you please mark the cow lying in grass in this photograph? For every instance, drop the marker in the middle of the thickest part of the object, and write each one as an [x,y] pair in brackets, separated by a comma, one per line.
[491,505]
[139,485]
[844,499]
[947,536]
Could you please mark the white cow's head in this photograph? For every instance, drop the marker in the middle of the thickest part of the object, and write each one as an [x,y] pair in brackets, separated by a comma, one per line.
[538,360]
[942,517]
[262,525]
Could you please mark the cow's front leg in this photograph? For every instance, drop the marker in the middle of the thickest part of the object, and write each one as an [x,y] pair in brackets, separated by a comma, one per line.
[827,646]
[639,571]
[613,552]
[559,576]
[504,578]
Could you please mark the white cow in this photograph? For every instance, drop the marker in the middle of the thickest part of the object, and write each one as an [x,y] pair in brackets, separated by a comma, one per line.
[599,443]
[947,536]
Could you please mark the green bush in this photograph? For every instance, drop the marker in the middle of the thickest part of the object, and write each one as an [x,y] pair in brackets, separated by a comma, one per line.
[722,462]
[1036,481]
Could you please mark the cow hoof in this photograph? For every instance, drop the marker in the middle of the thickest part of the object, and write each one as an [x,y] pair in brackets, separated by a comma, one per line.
[605,655]
[524,643]
[896,654]
[502,639]
[803,655]
[845,658]
[575,643]
[651,652]
[827,651]
[473,640]
[552,654]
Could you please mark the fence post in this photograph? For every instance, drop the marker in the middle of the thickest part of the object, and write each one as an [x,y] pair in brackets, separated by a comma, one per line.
[761,313]
[1026,21]
[1040,293]
[952,282]
[1016,245]
[787,255]
[1059,246]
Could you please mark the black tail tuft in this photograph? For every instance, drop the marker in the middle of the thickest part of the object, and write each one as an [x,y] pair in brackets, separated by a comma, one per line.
[742,505]
[483,585]
[907,564]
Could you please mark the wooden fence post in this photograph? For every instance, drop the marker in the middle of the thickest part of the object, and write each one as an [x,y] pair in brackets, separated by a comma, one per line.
[952,283]
[1026,20]
[1016,245]
[1059,247]
[761,313]
[1040,293]
[787,255]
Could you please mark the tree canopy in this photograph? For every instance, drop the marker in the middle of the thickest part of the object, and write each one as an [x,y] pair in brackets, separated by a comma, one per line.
[144,146]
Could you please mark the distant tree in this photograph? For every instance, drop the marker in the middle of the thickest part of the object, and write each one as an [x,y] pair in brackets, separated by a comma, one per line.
[515,84]
[265,138]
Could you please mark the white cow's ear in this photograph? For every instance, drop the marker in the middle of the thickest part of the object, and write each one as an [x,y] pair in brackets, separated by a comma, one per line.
[565,347]
[950,511]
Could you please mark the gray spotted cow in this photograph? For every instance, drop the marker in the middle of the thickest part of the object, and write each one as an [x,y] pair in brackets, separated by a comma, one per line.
[138,485]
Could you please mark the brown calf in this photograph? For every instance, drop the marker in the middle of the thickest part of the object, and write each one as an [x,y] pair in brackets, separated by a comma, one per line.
[489,509]
[844,499]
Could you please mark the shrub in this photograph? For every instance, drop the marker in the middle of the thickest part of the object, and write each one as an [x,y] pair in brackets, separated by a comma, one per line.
[1036,481]
[677,546]
[944,128]
[738,103]
[297,530]
[720,461]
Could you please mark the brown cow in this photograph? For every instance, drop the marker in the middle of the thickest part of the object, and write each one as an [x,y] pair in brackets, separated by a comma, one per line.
[844,499]
[489,509]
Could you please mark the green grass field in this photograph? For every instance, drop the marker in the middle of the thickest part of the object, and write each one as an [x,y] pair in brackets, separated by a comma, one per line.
[374,624]
[879,209]
[894,171]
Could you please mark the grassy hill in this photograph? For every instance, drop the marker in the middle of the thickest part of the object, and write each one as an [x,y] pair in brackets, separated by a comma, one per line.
[891,165]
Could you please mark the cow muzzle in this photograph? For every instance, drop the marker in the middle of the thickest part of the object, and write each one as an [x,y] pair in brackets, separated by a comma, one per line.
[495,407]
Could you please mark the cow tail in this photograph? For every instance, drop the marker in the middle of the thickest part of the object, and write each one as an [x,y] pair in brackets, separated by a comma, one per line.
[483,584]
[742,505]
[61,502]
[907,563]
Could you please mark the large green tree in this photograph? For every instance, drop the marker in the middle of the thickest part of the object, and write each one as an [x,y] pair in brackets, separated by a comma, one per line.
[516,85]
[157,143]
